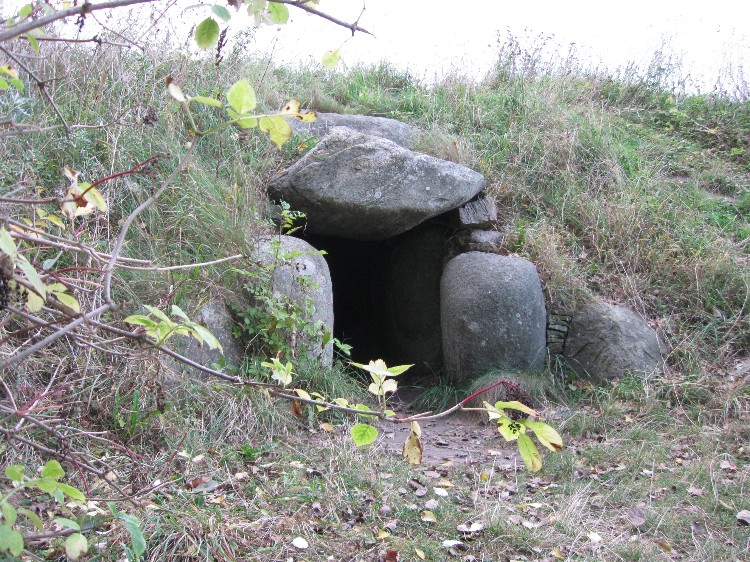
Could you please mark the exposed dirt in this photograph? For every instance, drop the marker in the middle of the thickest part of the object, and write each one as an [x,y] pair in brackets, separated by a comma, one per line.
[462,438]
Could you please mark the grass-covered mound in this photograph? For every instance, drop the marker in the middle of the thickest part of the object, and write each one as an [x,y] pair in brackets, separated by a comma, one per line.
[616,189]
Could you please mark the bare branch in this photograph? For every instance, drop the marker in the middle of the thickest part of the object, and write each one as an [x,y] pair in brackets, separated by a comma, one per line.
[84,8]
[303,5]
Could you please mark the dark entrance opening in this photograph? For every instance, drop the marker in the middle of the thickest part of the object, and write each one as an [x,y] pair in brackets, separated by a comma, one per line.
[386,296]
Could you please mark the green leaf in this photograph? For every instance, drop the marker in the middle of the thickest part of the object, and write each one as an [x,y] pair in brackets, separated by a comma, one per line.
[277,128]
[33,42]
[546,434]
[279,12]
[7,245]
[158,313]
[4,85]
[34,302]
[206,101]
[221,12]
[331,59]
[140,320]
[9,513]
[33,276]
[25,11]
[208,337]
[516,405]
[509,429]
[529,453]
[75,545]
[207,33]
[137,541]
[177,311]
[71,492]
[59,496]
[364,434]
[241,97]
[53,470]
[31,516]
[69,301]
[14,472]
[11,540]
[395,371]
[93,196]
[67,523]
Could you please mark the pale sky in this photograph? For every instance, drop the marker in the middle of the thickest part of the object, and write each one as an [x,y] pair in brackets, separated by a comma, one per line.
[435,37]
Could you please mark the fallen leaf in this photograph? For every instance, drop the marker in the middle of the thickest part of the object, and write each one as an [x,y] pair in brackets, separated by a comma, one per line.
[295,408]
[594,537]
[413,445]
[327,427]
[693,491]
[389,556]
[428,516]
[698,528]
[470,529]
[300,543]
[383,534]
[664,546]
[636,516]
[431,504]
[420,553]
[744,517]
[726,465]
[441,492]
[206,487]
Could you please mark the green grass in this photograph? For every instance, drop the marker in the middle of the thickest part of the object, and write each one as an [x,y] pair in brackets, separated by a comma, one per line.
[615,187]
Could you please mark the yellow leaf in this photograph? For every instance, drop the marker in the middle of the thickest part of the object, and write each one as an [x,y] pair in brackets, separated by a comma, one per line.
[428,516]
[420,553]
[302,393]
[327,427]
[277,128]
[291,107]
[34,302]
[94,196]
[307,117]
[382,534]
[413,445]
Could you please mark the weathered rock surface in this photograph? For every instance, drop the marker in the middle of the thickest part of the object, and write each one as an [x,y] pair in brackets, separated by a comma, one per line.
[475,240]
[395,131]
[412,299]
[299,274]
[492,315]
[480,212]
[606,341]
[215,316]
[368,188]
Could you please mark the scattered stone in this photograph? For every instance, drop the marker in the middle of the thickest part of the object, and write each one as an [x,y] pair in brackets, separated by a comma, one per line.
[217,319]
[368,188]
[492,315]
[299,275]
[607,341]
[395,131]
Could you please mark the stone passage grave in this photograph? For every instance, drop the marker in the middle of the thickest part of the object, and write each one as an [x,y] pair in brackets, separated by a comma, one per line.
[413,272]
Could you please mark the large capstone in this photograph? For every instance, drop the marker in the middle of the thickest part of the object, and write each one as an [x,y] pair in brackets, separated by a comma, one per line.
[298,283]
[607,341]
[395,131]
[363,187]
[492,315]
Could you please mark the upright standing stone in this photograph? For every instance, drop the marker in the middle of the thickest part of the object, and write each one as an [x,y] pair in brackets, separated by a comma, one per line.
[299,273]
[492,315]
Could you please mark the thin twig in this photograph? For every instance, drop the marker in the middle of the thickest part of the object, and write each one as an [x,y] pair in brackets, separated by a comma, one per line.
[303,5]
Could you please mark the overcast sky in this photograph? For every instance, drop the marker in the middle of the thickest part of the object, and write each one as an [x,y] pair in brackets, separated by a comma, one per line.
[434,37]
